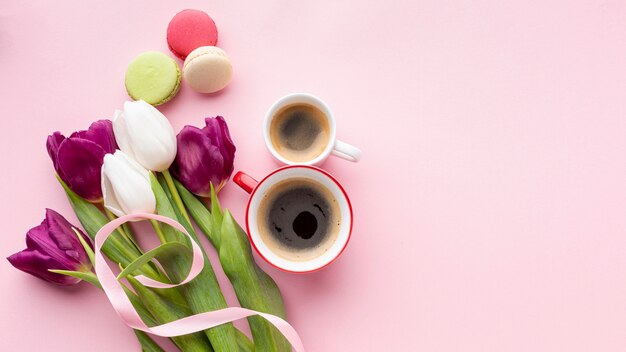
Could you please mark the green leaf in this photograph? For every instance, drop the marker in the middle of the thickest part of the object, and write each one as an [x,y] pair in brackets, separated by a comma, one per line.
[216,215]
[244,343]
[160,251]
[254,288]
[199,213]
[86,276]
[86,247]
[143,312]
[147,344]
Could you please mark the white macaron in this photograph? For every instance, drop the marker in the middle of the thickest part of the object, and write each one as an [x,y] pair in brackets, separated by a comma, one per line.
[207,69]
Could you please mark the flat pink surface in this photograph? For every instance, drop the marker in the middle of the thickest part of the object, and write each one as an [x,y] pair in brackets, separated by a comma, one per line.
[490,203]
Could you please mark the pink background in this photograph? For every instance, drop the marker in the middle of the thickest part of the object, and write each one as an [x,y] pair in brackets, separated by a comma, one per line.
[490,202]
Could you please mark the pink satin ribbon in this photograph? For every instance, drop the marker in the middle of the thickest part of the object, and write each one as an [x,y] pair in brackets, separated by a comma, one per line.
[187,325]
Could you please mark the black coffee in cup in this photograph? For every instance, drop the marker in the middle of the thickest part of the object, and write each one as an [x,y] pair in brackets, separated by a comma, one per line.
[299,219]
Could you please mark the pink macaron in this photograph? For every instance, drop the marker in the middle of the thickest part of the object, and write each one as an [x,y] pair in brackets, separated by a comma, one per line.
[190,29]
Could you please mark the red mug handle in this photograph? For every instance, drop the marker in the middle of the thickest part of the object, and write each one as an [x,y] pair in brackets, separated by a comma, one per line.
[245,181]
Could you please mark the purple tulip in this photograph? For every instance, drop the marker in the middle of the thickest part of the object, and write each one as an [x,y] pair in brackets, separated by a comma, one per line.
[52,245]
[78,159]
[204,156]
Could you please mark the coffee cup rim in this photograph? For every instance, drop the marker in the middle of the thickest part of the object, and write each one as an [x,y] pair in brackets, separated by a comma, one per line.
[292,99]
[274,259]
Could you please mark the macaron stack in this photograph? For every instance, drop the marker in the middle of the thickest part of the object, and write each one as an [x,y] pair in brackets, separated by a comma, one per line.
[191,36]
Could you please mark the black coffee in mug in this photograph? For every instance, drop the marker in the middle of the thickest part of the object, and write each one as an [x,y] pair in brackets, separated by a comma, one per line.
[299,219]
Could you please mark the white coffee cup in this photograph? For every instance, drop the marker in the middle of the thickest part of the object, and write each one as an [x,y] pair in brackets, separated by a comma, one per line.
[334,146]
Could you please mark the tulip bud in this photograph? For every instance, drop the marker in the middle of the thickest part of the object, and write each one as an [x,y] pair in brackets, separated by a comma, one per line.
[77,159]
[53,245]
[126,185]
[145,134]
[204,156]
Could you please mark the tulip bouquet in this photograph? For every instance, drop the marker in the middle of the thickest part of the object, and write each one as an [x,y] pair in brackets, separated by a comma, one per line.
[123,167]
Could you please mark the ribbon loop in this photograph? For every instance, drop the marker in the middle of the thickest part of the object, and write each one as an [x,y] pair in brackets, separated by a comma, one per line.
[194,323]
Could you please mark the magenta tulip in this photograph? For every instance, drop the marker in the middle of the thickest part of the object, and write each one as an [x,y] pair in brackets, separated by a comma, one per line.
[204,156]
[78,158]
[52,245]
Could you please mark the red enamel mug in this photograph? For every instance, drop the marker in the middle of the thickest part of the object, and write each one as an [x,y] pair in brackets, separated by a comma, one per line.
[335,232]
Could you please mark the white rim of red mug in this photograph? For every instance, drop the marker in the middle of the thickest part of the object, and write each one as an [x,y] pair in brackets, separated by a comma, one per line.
[336,147]
[257,189]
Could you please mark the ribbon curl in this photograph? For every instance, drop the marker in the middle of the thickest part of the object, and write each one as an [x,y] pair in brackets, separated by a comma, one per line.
[183,326]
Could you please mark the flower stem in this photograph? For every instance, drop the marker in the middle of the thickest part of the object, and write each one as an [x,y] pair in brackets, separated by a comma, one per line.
[124,229]
[175,195]
[158,230]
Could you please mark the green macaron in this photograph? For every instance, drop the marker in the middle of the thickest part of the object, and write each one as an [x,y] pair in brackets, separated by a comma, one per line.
[153,77]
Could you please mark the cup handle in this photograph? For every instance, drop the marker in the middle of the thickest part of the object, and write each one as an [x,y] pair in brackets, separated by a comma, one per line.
[245,181]
[346,151]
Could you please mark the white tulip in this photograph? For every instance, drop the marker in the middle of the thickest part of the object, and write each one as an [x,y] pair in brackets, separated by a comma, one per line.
[126,185]
[145,134]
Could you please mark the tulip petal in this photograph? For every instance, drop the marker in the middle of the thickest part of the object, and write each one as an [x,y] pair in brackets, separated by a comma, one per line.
[121,133]
[109,196]
[52,145]
[126,185]
[37,264]
[80,160]
[52,245]
[101,133]
[38,239]
[62,233]
[56,238]
[217,129]
[148,135]
[198,162]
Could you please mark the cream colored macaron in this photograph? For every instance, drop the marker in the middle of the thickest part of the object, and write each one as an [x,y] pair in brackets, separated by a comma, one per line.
[207,69]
